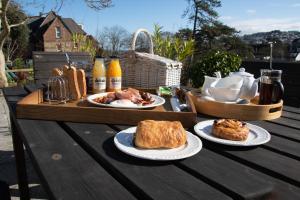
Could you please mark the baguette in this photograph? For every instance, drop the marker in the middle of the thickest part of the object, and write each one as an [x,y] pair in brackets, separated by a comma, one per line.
[71,76]
[81,82]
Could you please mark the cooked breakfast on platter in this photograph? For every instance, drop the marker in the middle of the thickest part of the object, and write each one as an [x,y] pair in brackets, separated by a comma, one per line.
[128,97]
[230,129]
[152,134]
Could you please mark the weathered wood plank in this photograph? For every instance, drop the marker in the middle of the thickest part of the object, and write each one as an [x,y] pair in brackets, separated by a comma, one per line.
[291,109]
[279,130]
[155,180]
[66,170]
[287,122]
[284,146]
[291,115]
[238,177]
[33,87]
[266,161]
[14,91]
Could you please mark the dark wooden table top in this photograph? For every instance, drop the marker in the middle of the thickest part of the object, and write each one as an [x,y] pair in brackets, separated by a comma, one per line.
[80,161]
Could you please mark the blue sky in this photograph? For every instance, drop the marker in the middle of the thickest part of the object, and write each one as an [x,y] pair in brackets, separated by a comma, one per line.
[248,16]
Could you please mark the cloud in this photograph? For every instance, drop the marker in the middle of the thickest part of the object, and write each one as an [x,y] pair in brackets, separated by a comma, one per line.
[225,18]
[251,11]
[296,5]
[264,25]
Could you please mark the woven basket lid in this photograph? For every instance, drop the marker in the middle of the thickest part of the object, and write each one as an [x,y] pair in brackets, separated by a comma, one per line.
[168,63]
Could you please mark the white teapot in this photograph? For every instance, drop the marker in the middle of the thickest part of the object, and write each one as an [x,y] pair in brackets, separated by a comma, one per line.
[250,84]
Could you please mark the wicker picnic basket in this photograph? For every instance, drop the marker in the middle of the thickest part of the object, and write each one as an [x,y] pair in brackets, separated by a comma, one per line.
[147,70]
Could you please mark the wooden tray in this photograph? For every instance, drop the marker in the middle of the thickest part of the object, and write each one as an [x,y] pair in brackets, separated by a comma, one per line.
[251,111]
[33,107]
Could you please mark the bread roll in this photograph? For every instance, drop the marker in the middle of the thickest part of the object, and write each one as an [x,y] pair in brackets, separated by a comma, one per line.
[152,134]
[230,129]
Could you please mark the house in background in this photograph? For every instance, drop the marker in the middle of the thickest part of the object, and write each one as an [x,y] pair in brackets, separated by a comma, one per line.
[53,33]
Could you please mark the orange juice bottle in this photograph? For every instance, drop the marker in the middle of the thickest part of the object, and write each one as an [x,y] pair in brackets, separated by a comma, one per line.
[99,76]
[114,75]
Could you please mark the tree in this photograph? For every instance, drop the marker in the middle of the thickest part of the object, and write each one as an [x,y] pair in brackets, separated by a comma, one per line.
[213,31]
[17,42]
[113,39]
[85,43]
[201,12]
[7,26]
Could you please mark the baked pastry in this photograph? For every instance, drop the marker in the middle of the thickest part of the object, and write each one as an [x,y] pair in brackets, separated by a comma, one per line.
[152,134]
[230,129]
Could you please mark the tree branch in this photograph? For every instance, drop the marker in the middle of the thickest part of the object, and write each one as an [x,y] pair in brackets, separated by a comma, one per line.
[18,24]
[5,26]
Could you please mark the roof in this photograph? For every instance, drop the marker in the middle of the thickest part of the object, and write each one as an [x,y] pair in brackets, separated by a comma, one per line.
[72,26]
[42,23]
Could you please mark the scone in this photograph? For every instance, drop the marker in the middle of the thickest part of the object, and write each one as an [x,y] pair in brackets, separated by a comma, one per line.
[230,129]
[152,134]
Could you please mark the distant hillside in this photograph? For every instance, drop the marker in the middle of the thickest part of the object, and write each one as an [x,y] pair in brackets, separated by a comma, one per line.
[263,37]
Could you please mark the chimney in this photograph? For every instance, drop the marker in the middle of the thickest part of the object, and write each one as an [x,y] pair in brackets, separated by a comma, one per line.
[81,26]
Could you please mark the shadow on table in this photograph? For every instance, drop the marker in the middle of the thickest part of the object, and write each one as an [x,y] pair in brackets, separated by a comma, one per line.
[8,174]
[112,151]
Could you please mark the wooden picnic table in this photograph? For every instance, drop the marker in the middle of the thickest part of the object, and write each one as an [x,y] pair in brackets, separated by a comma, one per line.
[80,161]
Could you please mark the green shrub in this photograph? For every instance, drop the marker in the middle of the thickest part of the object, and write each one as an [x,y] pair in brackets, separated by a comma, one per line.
[172,47]
[224,62]
[18,63]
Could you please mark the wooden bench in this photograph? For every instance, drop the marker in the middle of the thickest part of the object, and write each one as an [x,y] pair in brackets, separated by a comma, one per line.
[44,62]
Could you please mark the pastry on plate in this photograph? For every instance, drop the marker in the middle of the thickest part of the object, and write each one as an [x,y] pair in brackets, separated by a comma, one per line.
[152,134]
[230,129]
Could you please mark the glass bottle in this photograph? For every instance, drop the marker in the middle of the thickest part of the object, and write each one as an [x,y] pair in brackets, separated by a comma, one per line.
[114,76]
[99,76]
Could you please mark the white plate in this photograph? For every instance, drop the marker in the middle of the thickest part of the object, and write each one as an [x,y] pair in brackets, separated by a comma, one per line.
[157,102]
[257,135]
[124,142]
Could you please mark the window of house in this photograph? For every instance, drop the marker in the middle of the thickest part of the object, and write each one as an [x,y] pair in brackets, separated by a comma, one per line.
[75,45]
[57,32]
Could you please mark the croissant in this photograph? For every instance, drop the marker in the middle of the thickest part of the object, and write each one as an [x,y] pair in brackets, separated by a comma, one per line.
[152,134]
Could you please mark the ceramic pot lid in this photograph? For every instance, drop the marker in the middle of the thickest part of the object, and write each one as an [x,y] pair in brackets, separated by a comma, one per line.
[242,72]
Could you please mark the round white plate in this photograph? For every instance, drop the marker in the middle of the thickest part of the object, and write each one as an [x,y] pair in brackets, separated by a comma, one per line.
[124,142]
[157,102]
[256,136]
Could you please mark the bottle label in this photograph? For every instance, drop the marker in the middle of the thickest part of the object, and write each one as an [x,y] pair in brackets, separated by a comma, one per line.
[115,82]
[100,83]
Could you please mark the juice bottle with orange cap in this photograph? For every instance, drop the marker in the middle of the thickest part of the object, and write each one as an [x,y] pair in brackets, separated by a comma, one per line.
[114,75]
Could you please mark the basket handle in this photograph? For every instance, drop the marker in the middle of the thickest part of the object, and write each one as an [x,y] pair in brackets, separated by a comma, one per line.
[135,37]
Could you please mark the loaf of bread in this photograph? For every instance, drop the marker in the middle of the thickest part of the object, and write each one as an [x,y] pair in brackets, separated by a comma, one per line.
[230,129]
[152,134]
[71,75]
[57,72]
[81,82]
